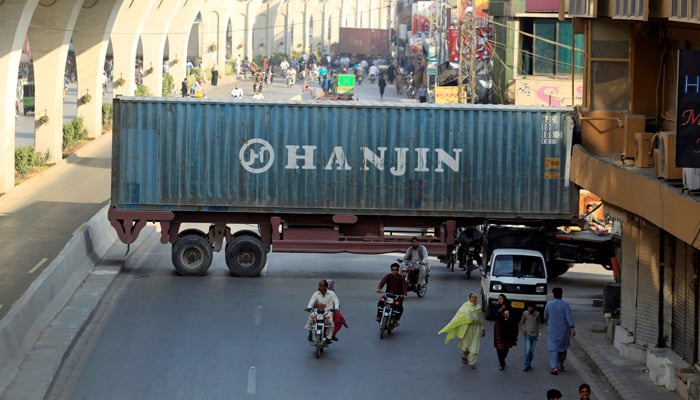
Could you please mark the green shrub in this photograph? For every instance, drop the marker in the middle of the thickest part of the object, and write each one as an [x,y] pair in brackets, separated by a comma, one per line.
[74,132]
[26,158]
[141,91]
[107,115]
[168,85]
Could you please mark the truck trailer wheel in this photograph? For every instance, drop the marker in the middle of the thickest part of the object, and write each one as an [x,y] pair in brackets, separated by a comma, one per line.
[556,269]
[192,255]
[245,256]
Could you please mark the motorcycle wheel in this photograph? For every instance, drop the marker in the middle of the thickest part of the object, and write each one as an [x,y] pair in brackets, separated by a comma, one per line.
[422,290]
[318,341]
[383,327]
[451,261]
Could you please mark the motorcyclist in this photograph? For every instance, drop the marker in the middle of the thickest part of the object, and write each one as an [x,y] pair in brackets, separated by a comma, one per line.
[373,73]
[291,76]
[418,254]
[322,298]
[395,284]
[469,237]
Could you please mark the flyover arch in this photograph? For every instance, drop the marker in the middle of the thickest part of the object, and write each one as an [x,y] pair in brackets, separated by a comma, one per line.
[16,17]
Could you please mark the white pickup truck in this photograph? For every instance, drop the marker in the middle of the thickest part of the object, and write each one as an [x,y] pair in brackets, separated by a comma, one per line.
[514,266]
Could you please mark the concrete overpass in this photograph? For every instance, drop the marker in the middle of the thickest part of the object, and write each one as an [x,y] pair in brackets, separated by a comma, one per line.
[161,31]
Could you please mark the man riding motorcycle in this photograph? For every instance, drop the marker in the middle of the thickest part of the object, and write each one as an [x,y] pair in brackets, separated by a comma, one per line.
[395,284]
[418,254]
[469,238]
[322,298]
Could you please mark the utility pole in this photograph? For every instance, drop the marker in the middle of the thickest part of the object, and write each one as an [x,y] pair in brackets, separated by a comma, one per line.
[467,51]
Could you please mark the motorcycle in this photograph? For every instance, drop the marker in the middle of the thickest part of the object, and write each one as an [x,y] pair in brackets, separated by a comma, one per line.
[321,322]
[469,258]
[269,77]
[410,270]
[291,80]
[410,87]
[387,323]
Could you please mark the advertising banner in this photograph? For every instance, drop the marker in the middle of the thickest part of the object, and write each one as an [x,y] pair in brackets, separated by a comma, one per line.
[446,95]
[688,113]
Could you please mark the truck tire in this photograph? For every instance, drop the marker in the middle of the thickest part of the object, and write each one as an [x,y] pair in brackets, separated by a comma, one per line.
[191,231]
[557,268]
[245,256]
[192,255]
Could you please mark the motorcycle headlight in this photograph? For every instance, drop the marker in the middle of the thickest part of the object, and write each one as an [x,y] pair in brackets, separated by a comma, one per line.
[319,317]
[389,300]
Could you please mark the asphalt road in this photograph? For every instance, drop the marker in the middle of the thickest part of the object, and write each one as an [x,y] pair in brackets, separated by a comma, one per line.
[158,335]
[162,336]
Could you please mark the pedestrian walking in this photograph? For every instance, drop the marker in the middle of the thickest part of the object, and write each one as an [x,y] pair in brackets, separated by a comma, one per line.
[467,325]
[530,323]
[423,94]
[183,88]
[554,394]
[505,330]
[584,391]
[214,75]
[557,313]
[382,85]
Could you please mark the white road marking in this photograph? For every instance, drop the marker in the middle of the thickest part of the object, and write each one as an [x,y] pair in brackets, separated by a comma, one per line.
[257,316]
[37,266]
[251,380]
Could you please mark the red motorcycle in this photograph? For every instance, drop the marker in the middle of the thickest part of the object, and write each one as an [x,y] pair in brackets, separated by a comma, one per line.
[410,270]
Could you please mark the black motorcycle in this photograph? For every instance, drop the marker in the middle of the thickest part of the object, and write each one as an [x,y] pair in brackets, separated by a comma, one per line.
[469,258]
[389,313]
[321,318]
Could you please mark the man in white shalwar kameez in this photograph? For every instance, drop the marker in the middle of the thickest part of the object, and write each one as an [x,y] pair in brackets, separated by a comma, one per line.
[323,298]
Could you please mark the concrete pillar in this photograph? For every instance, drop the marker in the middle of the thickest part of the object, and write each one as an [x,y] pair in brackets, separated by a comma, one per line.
[153,35]
[178,38]
[16,16]
[49,36]
[94,25]
[125,35]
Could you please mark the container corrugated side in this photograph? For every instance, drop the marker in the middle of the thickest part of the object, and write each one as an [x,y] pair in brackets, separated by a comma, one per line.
[360,158]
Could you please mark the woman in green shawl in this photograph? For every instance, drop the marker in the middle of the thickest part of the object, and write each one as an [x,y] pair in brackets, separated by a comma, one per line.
[468,326]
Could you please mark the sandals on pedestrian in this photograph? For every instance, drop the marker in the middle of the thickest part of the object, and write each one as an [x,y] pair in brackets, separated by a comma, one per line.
[464,360]
[554,371]
[472,366]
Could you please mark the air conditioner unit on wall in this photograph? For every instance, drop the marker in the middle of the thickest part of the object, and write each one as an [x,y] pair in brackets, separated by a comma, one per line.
[691,178]
[665,156]
[633,123]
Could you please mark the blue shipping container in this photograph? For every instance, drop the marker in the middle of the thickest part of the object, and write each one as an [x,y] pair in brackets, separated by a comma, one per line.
[357,158]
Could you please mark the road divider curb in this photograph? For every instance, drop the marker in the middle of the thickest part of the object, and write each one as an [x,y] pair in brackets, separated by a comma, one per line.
[45,298]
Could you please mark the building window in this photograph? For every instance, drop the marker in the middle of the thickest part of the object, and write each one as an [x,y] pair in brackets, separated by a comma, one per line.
[684,10]
[548,47]
[631,9]
[583,8]
[609,66]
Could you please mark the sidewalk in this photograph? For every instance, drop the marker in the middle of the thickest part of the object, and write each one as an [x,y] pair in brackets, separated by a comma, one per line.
[629,379]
